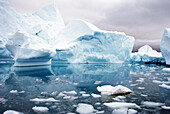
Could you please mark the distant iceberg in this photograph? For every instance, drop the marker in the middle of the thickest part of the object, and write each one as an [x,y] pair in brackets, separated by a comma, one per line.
[165,45]
[147,54]
[82,42]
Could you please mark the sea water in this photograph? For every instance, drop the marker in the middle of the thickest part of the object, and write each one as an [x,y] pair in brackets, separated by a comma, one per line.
[61,87]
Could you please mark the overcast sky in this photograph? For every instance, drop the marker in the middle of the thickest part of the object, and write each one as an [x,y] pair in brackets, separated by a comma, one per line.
[143,19]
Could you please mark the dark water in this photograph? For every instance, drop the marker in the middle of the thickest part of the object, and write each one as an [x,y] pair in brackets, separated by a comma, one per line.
[43,81]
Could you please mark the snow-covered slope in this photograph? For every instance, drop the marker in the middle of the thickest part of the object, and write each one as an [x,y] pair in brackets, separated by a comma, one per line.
[82,42]
[71,32]
[147,54]
[165,45]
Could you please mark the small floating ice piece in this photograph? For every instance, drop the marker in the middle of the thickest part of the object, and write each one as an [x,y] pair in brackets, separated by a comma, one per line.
[43,100]
[140,80]
[39,109]
[115,105]
[165,86]
[160,82]
[3,101]
[124,111]
[97,82]
[12,112]
[95,95]
[152,104]
[70,92]
[110,90]
[13,91]
[166,69]
[85,95]
[141,87]
[119,98]
[166,107]
[85,108]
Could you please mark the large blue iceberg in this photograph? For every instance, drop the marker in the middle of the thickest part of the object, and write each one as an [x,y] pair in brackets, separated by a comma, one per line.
[82,42]
[165,45]
[29,37]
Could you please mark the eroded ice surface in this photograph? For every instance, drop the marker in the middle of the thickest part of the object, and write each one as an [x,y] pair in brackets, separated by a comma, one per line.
[165,47]
[147,54]
[82,42]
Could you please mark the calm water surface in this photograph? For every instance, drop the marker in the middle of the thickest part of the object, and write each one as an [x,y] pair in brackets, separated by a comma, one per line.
[51,81]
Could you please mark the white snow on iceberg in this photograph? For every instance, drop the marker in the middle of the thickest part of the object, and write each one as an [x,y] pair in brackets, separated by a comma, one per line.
[110,90]
[34,34]
[82,42]
[165,45]
[147,54]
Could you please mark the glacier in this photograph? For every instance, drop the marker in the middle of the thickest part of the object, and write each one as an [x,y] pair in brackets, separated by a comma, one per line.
[165,45]
[82,42]
[29,37]
[146,54]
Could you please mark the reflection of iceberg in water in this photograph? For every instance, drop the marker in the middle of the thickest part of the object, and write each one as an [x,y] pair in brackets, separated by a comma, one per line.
[38,71]
[85,75]
[5,68]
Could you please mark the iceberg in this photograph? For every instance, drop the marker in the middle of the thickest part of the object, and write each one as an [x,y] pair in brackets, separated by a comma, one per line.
[29,50]
[147,55]
[82,42]
[165,45]
[29,38]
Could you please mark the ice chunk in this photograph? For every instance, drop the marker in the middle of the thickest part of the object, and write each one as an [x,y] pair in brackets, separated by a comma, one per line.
[116,105]
[43,100]
[147,54]
[3,101]
[152,104]
[166,107]
[165,47]
[82,42]
[124,111]
[39,109]
[166,69]
[95,95]
[85,108]
[12,112]
[165,86]
[13,91]
[110,90]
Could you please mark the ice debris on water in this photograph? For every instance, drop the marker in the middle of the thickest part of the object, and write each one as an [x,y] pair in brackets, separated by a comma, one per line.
[40,109]
[110,90]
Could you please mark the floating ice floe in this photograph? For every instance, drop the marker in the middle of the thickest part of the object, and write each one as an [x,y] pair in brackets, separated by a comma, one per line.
[13,91]
[85,108]
[152,104]
[165,107]
[95,95]
[40,109]
[124,111]
[166,69]
[110,90]
[116,105]
[147,54]
[3,101]
[43,100]
[12,112]
[165,86]
[85,95]
[165,47]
